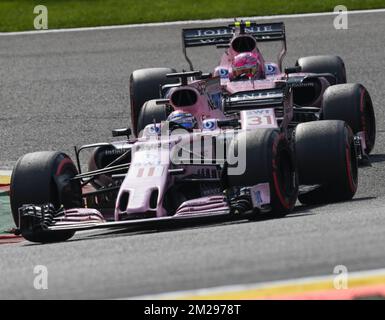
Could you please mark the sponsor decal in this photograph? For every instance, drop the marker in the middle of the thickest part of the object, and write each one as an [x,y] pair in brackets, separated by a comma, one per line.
[209,124]
[257,196]
[153,129]
[229,31]
[302,84]
[212,32]
[214,93]
[215,100]
[270,69]
[260,118]
[256,95]
[260,194]
[219,35]
[139,171]
[223,73]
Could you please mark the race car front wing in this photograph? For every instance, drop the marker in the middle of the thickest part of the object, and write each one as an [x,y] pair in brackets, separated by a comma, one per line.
[236,203]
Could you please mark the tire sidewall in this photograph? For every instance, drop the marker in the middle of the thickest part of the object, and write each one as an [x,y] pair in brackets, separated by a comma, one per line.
[144,85]
[150,111]
[283,197]
[352,104]
[264,156]
[326,156]
[324,64]
[46,175]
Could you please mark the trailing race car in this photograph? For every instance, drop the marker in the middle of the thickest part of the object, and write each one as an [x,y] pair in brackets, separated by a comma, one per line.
[191,159]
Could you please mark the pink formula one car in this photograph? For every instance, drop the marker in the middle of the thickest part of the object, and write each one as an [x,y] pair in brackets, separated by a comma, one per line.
[191,160]
[320,91]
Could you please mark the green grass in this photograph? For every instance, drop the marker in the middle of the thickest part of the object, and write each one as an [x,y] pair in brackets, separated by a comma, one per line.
[16,15]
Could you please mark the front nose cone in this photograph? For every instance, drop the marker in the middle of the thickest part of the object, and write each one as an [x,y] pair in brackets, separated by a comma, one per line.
[138,200]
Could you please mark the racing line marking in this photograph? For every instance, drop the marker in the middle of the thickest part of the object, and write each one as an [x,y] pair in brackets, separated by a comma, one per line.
[361,284]
[187,22]
[5,177]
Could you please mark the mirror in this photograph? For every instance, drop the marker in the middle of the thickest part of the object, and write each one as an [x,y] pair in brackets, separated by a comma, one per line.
[121,132]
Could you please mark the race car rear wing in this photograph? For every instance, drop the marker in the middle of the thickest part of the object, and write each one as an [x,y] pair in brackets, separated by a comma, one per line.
[280,99]
[255,99]
[264,32]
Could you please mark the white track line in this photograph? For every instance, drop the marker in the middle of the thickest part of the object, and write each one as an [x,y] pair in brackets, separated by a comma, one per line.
[241,287]
[177,23]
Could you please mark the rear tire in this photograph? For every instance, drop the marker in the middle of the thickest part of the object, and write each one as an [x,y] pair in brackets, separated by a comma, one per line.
[352,104]
[324,64]
[268,160]
[151,112]
[145,85]
[326,156]
[41,178]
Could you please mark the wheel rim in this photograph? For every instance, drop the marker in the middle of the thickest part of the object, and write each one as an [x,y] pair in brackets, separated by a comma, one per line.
[285,178]
[352,169]
[68,191]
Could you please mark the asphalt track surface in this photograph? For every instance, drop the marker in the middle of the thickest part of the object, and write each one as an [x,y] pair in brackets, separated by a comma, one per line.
[57,90]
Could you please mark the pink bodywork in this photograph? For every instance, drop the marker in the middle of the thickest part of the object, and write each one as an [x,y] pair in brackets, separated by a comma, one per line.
[150,167]
[273,74]
[150,164]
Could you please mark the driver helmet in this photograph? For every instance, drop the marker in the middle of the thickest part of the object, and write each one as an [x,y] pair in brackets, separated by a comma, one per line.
[183,119]
[249,65]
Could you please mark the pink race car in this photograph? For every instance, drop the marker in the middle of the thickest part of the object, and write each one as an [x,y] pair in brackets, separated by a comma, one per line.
[191,160]
[320,91]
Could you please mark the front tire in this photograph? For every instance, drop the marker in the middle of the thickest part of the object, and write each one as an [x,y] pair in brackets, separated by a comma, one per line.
[268,159]
[41,178]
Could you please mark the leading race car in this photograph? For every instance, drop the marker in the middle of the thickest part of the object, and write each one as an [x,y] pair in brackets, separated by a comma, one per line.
[191,159]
